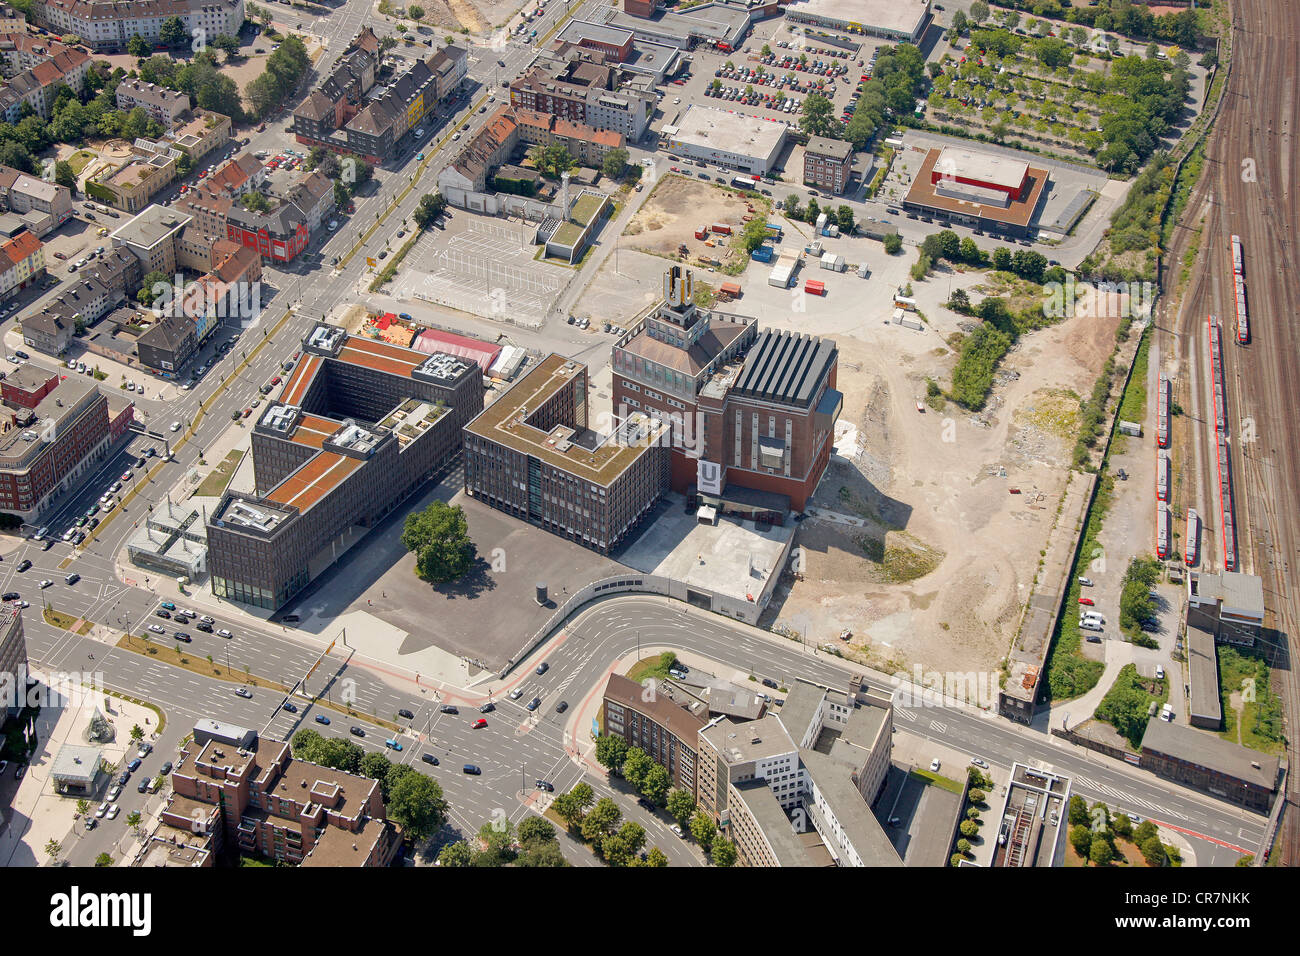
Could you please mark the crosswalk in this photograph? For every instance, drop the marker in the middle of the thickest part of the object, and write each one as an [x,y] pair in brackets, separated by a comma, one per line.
[1122,800]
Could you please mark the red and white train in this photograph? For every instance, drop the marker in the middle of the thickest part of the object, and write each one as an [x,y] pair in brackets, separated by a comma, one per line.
[1239,291]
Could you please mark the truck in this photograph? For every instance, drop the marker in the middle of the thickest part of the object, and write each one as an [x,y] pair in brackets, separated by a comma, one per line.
[721,228]
[702,232]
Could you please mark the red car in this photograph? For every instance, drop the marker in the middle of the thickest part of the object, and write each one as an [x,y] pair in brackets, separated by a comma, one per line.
[481,722]
[1087,601]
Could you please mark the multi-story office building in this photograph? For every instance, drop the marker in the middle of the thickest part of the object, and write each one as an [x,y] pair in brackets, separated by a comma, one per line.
[359,426]
[665,727]
[13,660]
[250,791]
[827,163]
[532,454]
[731,753]
[54,431]
[152,236]
[110,24]
[753,414]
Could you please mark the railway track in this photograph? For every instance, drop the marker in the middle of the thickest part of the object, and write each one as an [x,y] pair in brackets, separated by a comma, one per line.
[1250,189]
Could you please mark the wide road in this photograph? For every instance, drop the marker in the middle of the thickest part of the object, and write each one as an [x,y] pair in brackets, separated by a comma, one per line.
[1250,191]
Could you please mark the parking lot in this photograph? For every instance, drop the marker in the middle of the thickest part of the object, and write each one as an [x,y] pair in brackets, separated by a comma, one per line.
[482,266]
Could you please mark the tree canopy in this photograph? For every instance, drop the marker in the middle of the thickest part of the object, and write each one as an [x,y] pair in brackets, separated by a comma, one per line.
[439,538]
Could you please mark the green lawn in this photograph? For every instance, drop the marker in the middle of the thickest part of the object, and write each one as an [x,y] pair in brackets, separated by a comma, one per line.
[79,160]
[215,484]
[1133,405]
[1258,724]
[585,208]
[934,779]
[656,667]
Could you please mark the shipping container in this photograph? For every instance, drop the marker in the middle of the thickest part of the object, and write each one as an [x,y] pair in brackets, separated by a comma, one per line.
[722,228]
[814,286]
[702,233]
[775,229]
[762,254]
[832,262]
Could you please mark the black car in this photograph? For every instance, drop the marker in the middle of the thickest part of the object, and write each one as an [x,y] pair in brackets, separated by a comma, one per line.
[166,768]
[356,731]
[448,709]
[123,777]
[484,709]
[182,636]
[290,706]
[562,706]
[207,628]
[472,770]
[163,612]
[23,565]
[406,713]
[544,785]
[543,667]
[429,759]
[144,785]
[534,703]
[768,682]
[11,596]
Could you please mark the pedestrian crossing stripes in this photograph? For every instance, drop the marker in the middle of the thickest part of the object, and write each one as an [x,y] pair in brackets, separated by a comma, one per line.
[938,727]
[906,714]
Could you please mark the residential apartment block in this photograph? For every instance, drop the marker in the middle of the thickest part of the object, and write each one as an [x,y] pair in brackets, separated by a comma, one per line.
[585,92]
[110,24]
[43,206]
[658,723]
[827,163]
[588,145]
[162,104]
[358,427]
[343,114]
[22,262]
[253,796]
[13,660]
[51,65]
[532,454]
[54,431]
[152,236]
[753,414]
[95,293]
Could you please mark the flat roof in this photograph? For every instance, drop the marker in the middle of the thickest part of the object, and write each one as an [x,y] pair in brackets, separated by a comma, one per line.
[1212,752]
[986,167]
[776,827]
[1241,594]
[1017,213]
[755,740]
[662,708]
[785,367]
[729,132]
[1203,663]
[505,422]
[897,16]
[151,226]
[852,812]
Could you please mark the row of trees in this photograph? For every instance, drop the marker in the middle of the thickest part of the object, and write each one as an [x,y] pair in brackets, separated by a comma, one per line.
[414,802]
[601,824]
[500,843]
[841,216]
[898,79]
[1119,16]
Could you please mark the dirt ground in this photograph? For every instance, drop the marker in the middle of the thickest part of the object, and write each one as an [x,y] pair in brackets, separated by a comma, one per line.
[919,549]
[679,206]
[477,17]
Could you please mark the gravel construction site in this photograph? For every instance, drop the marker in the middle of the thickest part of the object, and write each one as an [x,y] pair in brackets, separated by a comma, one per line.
[679,206]
[919,547]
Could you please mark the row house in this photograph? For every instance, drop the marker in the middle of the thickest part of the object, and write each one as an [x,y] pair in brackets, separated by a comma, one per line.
[38,87]
[110,24]
[22,262]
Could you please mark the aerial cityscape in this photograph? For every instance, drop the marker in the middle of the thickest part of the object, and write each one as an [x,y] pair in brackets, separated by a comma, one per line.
[690,433]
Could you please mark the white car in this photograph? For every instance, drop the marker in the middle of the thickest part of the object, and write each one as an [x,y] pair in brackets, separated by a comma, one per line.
[113,811]
[934,765]
[224,633]
[334,224]
[174,426]
[46,583]
[101,809]
[114,791]
[157,629]
[516,693]
[419,133]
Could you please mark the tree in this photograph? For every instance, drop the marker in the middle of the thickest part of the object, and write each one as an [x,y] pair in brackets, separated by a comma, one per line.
[497,841]
[137,733]
[979,11]
[614,162]
[535,829]
[960,23]
[456,854]
[1081,838]
[969,829]
[1101,852]
[376,766]
[976,796]
[416,804]
[53,849]
[621,847]
[542,855]
[1153,851]
[812,212]
[959,301]
[228,45]
[970,252]
[415,11]
[173,32]
[818,116]
[133,819]
[703,829]
[1144,832]
[611,751]
[655,858]
[963,846]
[103,859]
[752,235]
[1122,826]
[893,243]
[137,47]
[439,537]
[585,796]
[655,785]
[844,219]
[83,807]
[791,205]
[568,809]
[1002,259]
[553,160]
[1078,811]
[680,806]
[600,821]
[254,201]
[151,287]
[432,205]
[636,764]
[723,853]
[64,176]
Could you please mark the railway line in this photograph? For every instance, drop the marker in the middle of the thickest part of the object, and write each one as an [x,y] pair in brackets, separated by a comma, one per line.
[1250,191]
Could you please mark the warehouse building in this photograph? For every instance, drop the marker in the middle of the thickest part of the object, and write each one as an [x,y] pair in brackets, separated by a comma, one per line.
[728,139]
[360,426]
[982,190]
[1209,763]
[901,20]
[1229,605]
